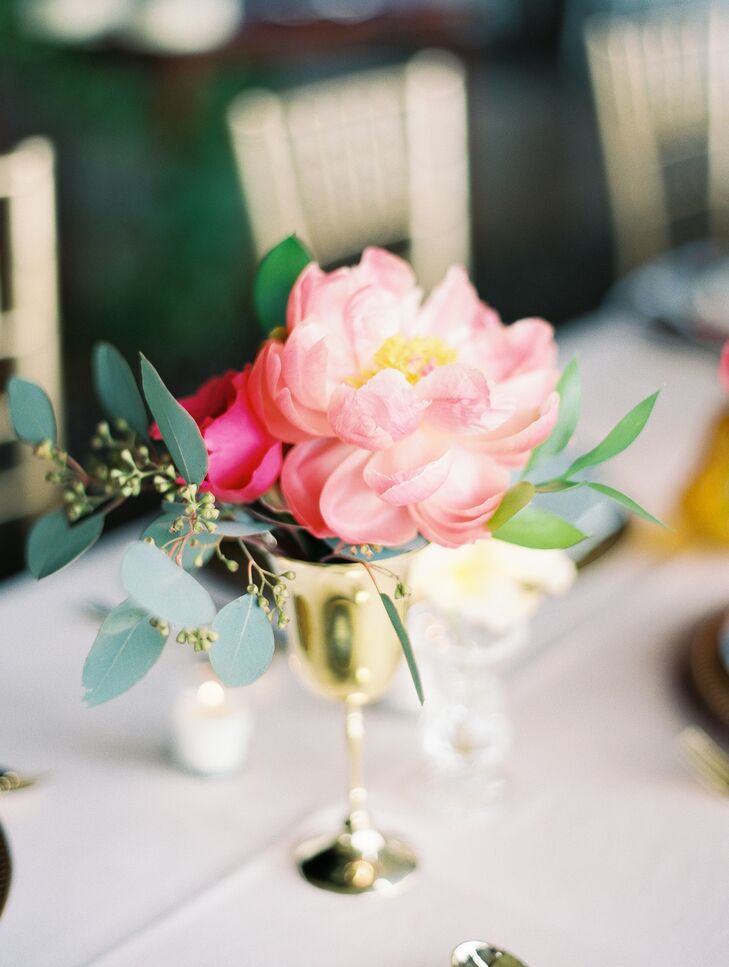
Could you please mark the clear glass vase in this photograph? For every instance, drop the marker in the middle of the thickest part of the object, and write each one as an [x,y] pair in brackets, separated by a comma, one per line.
[465,728]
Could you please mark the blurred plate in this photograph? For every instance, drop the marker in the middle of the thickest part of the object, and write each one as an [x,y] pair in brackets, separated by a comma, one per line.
[708,673]
[5,869]
[686,289]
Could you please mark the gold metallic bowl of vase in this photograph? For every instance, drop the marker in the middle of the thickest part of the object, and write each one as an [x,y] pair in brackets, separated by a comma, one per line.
[344,647]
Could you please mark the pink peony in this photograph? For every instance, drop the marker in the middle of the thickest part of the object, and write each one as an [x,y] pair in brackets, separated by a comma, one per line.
[407,416]
[244,460]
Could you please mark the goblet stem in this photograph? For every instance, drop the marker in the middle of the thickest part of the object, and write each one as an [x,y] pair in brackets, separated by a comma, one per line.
[354,726]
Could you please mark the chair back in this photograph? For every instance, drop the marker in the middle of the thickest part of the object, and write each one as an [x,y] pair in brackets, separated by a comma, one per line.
[377,157]
[29,335]
[661,87]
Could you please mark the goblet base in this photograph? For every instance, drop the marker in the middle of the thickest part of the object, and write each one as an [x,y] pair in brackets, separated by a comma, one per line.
[359,860]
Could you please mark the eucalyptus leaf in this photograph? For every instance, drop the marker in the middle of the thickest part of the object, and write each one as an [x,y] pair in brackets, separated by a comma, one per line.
[618,439]
[513,501]
[179,430]
[274,279]
[620,498]
[53,542]
[245,644]
[117,388]
[240,528]
[404,639]
[536,528]
[31,412]
[159,531]
[126,647]
[161,587]
[570,399]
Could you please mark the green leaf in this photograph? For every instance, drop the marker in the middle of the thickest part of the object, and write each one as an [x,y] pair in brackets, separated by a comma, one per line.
[31,412]
[276,274]
[536,528]
[570,394]
[618,439]
[159,531]
[244,648]
[178,429]
[557,486]
[407,648]
[53,542]
[117,388]
[164,589]
[126,647]
[513,501]
[619,497]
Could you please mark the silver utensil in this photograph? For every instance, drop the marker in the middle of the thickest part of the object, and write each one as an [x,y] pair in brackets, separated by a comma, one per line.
[10,780]
[478,953]
[705,758]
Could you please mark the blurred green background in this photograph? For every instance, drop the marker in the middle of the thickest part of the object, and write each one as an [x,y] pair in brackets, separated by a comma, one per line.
[154,246]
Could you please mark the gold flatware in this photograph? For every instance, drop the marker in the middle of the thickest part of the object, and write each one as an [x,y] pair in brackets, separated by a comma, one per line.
[705,758]
[478,953]
[6,868]
[10,780]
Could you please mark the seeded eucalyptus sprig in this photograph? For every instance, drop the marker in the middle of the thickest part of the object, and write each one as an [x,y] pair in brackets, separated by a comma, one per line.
[164,598]
[190,530]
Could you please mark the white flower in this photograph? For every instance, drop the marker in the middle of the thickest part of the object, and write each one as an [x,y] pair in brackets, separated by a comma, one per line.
[490,583]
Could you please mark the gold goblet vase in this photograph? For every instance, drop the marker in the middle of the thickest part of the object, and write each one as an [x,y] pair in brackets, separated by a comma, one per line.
[344,647]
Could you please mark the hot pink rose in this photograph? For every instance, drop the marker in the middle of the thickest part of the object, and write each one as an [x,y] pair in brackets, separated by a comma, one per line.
[244,460]
[407,416]
[724,367]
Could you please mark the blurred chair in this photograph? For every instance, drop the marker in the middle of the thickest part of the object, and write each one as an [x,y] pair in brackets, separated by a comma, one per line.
[373,158]
[29,337]
[661,85]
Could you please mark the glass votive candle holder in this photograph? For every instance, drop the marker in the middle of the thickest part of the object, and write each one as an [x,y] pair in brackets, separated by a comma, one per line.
[211,727]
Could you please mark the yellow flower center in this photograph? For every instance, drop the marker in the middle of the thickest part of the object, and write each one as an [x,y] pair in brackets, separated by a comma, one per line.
[414,358]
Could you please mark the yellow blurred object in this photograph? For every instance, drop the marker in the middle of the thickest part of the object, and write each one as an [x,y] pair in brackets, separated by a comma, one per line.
[705,504]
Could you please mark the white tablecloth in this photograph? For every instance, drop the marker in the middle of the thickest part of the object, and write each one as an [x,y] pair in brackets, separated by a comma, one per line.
[607,854]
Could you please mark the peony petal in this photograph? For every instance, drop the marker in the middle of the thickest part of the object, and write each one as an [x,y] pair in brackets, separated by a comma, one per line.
[458,511]
[513,442]
[387,271]
[306,469]
[304,365]
[454,311]
[356,514]
[522,347]
[274,403]
[458,397]
[317,293]
[378,414]
[411,470]
[369,317]
[526,391]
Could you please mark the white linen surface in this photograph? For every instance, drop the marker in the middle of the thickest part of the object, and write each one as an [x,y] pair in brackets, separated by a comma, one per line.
[607,854]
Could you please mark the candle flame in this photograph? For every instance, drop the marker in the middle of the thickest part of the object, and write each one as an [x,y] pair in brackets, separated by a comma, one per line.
[211,694]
